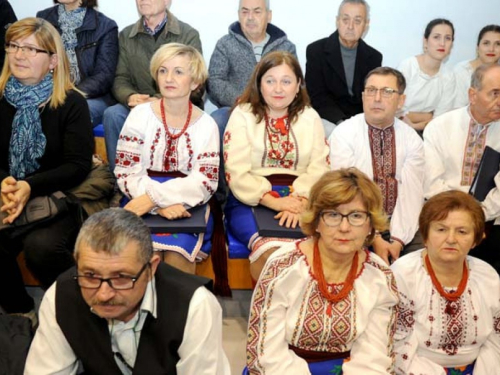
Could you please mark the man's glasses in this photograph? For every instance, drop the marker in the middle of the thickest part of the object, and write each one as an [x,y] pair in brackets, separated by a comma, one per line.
[12,48]
[385,92]
[117,282]
[334,218]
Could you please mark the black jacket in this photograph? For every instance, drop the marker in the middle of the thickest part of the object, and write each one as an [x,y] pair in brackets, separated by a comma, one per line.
[96,51]
[7,16]
[326,82]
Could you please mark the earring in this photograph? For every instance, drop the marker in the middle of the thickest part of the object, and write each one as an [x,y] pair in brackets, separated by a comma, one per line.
[52,71]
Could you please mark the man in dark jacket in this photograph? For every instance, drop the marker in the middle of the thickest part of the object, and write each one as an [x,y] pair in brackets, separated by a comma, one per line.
[7,16]
[337,66]
[123,311]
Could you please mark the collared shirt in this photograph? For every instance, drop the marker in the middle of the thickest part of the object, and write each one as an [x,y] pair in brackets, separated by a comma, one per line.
[50,352]
[157,28]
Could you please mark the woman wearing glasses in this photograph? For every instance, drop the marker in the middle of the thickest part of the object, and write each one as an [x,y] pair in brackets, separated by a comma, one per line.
[325,305]
[430,86]
[449,309]
[45,146]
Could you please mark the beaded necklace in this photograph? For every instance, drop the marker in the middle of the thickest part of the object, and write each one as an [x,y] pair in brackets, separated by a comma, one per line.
[449,296]
[320,276]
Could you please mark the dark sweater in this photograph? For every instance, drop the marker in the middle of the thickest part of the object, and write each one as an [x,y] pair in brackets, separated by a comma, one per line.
[68,154]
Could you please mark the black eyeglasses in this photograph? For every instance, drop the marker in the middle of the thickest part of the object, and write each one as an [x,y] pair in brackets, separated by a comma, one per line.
[385,92]
[334,218]
[117,282]
[12,48]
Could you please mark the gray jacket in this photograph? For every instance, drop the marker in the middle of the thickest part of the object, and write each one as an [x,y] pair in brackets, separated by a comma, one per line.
[233,61]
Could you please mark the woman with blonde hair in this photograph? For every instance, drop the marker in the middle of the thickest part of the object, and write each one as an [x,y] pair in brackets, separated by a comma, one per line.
[326,305]
[46,146]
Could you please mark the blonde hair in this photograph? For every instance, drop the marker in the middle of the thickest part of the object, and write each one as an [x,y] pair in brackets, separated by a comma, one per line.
[197,66]
[340,187]
[49,39]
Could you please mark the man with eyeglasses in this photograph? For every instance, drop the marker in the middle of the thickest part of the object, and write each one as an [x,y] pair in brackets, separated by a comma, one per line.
[336,66]
[391,153]
[122,311]
[454,144]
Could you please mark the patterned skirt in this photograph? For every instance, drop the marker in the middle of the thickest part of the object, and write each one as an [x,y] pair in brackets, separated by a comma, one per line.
[464,370]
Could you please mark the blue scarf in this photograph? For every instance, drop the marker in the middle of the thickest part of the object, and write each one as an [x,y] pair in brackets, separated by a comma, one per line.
[69,22]
[27,141]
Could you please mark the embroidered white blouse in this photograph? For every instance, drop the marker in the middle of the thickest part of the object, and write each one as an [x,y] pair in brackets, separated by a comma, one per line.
[428,339]
[143,146]
[350,147]
[426,93]
[247,152]
[287,308]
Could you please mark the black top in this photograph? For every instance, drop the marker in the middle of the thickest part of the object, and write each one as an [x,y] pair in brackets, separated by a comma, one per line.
[7,16]
[68,154]
[326,81]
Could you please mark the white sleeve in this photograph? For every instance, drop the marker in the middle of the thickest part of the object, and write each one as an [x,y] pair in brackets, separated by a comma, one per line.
[201,351]
[372,351]
[434,181]
[341,151]
[447,100]
[50,352]
[404,221]
[267,346]
[405,340]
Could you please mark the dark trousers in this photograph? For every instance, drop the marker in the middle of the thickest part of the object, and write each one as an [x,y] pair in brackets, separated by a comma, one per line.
[48,250]
[489,249]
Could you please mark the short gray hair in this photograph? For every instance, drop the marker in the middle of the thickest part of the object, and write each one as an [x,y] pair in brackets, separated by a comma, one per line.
[477,77]
[268,5]
[360,2]
[110,231]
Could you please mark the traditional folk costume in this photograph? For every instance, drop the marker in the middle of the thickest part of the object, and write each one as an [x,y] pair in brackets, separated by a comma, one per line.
[394,158]
[291,319]
[438,336]
[253,152]
[425,93]
[454,144]
[146,147]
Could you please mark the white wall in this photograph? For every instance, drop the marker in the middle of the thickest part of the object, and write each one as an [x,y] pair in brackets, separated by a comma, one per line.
[396,25]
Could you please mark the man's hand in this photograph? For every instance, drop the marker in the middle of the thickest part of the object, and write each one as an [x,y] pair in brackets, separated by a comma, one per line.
[140,205]
[136,99]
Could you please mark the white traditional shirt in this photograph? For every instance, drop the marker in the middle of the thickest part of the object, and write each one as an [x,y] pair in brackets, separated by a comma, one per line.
[425,93]
[350,147]
[428,338]
[50,352]
[463,72]
[288,308]
[144,145]
[249,151]
[450,142]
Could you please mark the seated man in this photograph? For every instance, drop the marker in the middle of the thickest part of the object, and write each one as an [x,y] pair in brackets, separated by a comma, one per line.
[454,144]
[138,42]
[237,53]
[337,66]
[121,311]
[390,152]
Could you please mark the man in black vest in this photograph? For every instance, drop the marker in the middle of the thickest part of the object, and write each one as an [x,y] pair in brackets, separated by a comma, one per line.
[123,311]
[336,66]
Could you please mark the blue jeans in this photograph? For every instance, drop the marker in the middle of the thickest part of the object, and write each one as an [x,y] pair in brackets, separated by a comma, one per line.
[113,119]
[97,106]
[221,117]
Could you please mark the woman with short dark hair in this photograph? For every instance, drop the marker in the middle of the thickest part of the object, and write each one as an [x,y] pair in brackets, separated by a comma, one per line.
[449,309]
[91,42]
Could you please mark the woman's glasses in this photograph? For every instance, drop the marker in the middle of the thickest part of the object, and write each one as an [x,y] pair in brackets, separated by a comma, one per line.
[334,218]
[12,48]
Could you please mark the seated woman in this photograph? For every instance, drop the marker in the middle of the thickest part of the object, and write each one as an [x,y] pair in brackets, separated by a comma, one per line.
[488,53]
[91,42]
[449,310]
[46,145]
[326,305]
[274,151]
[430,87]
[167,159]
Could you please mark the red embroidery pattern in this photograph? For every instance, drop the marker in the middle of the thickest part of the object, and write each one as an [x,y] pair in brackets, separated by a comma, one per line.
[152,150]
[474,148]
[127,159]
[124,176]
[227,137]
[208,155]
[207,186]
[383,150]
[127,138]
[210,171]
[496,324]
[262,299]
[406,314]
[281,151]
[171,156]
[228,177]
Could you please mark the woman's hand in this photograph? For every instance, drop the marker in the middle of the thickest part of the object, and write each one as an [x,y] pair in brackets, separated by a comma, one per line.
[175,211]
[140,205]
[288,219]
[15,194]
[291,204]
